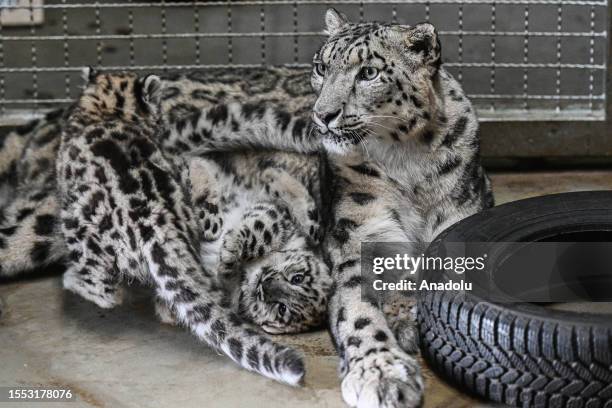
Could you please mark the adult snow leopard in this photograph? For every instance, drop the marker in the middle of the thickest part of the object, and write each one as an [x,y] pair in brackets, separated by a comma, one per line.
[405,164]
[126,211]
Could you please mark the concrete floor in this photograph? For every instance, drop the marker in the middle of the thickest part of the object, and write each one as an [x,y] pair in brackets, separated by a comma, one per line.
[125,358]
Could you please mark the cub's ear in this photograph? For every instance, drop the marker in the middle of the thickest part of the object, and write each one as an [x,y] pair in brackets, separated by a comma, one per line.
[334,21]
[422,40]
[89,75]
[151,89]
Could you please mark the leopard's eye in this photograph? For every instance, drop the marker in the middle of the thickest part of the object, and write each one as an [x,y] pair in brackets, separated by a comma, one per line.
[320,69]
[368,73]
[297,279]
[281,309]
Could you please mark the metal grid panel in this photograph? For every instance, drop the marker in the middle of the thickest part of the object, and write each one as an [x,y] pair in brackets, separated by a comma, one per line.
[517,59]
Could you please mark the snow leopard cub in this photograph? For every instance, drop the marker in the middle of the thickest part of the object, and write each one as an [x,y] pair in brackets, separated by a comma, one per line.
[261,234]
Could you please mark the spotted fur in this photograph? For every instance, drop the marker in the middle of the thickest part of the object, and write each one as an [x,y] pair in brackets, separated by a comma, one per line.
[193,105]
[127,213]
[281,180]
[399,178]
[28,208]
[404,164]
[261,229]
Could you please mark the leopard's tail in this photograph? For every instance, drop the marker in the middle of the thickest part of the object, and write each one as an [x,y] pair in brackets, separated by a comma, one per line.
[197,303]
[35,135]
[29,234]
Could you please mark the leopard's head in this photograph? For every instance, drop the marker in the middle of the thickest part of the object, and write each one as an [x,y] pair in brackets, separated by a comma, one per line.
[286,291]
[122,95]
[374,81]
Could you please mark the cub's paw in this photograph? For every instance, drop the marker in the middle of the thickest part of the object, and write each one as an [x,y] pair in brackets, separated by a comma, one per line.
[312,226]
[384,379]
[228,259]
[212,225]
[315,232]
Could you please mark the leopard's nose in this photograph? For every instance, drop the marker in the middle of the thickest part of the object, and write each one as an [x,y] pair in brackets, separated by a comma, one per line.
[271,290]
[330,116]
[327,119]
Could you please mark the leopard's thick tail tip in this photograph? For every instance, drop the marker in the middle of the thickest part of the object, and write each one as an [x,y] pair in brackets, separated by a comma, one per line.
[294,369]
[280,363]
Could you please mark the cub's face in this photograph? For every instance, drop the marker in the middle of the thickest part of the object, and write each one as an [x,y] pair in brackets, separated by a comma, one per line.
[374,81]
[286,291]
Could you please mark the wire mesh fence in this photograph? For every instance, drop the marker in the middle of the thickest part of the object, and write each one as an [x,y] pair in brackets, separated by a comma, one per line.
[517,59]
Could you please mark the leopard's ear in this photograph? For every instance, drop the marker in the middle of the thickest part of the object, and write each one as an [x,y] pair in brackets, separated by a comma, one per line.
[89,75]
[423,41]
[151,90]
[334,21]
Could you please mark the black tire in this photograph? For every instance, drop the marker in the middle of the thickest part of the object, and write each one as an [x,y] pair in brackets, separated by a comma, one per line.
[522,354]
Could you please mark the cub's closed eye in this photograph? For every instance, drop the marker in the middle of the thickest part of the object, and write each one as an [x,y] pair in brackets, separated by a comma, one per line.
[320,68]
[368,73]
[297,279]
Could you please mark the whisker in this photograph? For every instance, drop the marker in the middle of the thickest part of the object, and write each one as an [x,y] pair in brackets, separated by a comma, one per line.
[362,141]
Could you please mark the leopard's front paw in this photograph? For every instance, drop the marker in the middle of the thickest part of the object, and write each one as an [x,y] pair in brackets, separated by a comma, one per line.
[384,379]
